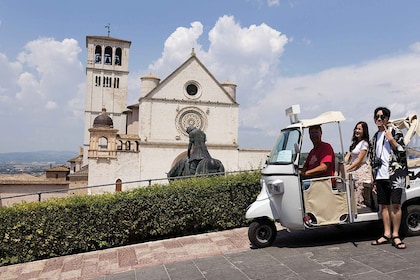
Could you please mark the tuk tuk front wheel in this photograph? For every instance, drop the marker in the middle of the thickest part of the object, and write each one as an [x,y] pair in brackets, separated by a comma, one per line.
[262,233]
[410,223]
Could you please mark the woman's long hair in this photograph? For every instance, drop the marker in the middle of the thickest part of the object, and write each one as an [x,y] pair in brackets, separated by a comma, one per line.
[365,135]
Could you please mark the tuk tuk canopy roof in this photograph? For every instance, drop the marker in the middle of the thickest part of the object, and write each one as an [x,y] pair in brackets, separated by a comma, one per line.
[411,123]
[327,117]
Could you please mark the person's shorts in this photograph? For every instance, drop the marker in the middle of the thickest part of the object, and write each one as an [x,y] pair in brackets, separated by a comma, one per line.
[387,195]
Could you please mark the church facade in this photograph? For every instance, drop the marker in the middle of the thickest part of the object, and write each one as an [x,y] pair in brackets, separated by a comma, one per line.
[139,142]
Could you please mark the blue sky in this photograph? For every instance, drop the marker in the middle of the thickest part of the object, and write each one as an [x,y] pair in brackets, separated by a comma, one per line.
[325,55]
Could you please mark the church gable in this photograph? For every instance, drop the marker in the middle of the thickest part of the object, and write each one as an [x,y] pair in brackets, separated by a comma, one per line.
[189,96]
[191,82]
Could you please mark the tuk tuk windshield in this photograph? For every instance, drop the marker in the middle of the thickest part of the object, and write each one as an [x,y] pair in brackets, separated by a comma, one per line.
[284,151]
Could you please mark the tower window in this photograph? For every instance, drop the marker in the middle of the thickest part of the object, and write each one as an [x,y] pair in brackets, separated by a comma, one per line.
[107,82]
[98,54]
[97,81]
[118,53]
[103,143]
[107,59]
[108,56]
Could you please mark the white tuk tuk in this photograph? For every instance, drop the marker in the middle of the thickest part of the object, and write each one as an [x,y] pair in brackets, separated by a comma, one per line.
[326,202]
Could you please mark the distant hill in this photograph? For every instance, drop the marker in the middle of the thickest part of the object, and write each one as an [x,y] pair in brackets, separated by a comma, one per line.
[57,157]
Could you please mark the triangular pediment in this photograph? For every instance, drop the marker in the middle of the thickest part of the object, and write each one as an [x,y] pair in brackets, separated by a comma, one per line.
[191,81]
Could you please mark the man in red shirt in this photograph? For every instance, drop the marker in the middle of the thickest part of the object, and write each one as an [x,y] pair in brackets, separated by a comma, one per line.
[321,159]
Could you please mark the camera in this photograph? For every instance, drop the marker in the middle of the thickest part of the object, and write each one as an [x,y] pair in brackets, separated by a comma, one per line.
[377,163]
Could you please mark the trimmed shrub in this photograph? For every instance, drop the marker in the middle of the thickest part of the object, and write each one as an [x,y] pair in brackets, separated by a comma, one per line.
[57,227]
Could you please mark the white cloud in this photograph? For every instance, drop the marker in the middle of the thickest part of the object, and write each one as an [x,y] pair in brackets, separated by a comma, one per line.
[76,104]
[51,105]
[273,3]
[177,47]
[54,65]
[47,54]
[415,47]
[270,3]
[29,88]
[47,75]
[355,90]
[9,71]
[253,54]
[248,56]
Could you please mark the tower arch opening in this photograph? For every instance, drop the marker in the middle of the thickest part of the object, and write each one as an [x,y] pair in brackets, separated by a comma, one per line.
[118,53]
[98,55]
[108,56]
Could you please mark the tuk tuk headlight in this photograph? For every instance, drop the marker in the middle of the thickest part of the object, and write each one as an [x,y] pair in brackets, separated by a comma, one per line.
[275,187]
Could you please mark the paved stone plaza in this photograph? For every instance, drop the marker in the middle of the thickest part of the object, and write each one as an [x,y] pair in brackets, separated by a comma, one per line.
[328,253]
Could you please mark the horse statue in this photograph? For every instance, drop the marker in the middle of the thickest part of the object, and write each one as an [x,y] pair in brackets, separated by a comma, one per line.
[205,166]
[180,169]
[209,166]
[199,161]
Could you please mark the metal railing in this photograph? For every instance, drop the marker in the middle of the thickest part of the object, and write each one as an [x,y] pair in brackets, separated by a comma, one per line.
[148,181]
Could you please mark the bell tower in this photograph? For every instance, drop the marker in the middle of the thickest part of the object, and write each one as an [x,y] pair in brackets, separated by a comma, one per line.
[106,83]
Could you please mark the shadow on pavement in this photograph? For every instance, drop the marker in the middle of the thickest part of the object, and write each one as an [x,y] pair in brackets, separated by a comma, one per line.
[329,235]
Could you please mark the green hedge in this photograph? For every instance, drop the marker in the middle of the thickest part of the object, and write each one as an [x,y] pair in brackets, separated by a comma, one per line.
[57,227]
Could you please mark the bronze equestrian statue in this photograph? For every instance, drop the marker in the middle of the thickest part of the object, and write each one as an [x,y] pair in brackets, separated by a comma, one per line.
[199,160]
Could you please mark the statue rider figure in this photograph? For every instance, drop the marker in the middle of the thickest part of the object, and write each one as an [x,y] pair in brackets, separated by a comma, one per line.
[197,149]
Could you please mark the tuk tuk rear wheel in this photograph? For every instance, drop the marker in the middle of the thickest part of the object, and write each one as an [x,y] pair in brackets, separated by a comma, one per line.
[410,223]
[262,233]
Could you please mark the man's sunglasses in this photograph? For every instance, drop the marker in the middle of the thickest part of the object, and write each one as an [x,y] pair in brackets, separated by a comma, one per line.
[380,117]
